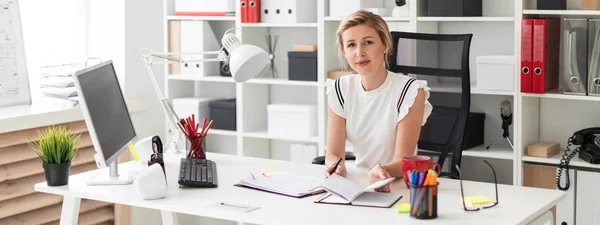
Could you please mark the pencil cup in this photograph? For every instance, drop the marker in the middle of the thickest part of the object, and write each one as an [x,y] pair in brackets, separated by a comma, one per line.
[423,201]
[196,147]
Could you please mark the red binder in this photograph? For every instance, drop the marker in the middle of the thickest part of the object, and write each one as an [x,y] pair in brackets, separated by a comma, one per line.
[546,48]
[526,55]
[254,11]
[244,11]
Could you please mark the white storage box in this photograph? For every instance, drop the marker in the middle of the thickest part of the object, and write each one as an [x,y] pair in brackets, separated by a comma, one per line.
[343,8]
[292,120]
[204,7]
[288,11]
[185,107]
[303,153]
[496,72]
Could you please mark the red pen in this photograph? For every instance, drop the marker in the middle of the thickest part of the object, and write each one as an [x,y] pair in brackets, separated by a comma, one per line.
[205,130]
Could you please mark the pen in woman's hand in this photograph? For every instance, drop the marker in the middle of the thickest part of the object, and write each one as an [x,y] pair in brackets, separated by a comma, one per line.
[335,166]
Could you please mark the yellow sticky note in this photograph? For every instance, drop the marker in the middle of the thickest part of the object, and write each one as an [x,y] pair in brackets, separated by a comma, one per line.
[271,173]
[403,208]
[136,157]
[478,200]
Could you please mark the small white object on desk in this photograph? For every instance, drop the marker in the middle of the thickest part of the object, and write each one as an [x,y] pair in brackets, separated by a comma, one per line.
[235,207]
[496,72]
[151,183]
[144,149]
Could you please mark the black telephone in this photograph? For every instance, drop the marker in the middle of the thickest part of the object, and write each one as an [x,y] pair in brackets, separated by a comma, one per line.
[589,150]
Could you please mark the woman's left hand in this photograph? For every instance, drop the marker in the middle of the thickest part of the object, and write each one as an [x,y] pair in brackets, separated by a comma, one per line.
[379,173]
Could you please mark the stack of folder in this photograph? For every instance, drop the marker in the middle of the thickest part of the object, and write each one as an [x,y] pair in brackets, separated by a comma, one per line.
[540,48]
[58,87]
[250,11]
[543,71]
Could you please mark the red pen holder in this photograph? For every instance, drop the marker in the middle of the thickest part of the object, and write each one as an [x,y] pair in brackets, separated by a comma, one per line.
[196,147]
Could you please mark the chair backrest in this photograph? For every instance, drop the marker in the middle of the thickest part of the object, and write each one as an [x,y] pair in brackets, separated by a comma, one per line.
[443,61]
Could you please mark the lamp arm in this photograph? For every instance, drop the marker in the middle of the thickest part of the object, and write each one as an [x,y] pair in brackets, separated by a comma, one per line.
[169,58]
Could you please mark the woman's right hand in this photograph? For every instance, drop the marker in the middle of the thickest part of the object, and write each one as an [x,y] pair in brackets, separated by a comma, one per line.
[341,170]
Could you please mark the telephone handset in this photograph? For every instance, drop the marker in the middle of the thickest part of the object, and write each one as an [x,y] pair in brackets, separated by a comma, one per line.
[589,150]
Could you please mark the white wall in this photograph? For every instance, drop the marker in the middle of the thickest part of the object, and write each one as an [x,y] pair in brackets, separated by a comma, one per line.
[142,28]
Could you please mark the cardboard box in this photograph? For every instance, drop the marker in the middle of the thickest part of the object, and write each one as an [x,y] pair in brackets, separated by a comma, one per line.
[305,48]
[590,4]
[543,149]
[335,74]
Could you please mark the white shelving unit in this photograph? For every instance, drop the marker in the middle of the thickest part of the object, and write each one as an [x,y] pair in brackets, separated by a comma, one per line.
[468,19]
[536,117]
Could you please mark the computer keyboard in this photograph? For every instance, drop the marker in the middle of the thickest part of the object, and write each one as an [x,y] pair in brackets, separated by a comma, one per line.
[197,173]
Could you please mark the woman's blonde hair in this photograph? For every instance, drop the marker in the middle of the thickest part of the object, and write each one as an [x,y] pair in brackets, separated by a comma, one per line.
[373,20]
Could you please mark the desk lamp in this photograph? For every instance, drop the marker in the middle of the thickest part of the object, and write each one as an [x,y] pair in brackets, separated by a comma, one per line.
[245,62]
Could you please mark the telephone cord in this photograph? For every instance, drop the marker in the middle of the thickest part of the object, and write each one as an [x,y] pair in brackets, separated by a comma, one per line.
[564,165]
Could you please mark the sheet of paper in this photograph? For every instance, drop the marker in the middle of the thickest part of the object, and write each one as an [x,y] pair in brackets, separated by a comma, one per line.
[284,183]
[341,186]
[347,189]
[378,184]
[335,199]
[237,207]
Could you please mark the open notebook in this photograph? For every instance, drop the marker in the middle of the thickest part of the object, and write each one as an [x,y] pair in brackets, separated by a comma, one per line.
[344,191]
[283,183]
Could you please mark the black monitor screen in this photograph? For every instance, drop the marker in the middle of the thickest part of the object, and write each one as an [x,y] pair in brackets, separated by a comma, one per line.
[107,109]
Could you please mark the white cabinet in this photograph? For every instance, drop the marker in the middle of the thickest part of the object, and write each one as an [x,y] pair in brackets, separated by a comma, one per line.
[565,209]
[588,198]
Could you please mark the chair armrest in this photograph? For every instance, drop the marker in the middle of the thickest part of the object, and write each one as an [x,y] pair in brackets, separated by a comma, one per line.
[320,160]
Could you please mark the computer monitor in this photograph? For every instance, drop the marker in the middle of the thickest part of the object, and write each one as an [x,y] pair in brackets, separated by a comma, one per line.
[107,119]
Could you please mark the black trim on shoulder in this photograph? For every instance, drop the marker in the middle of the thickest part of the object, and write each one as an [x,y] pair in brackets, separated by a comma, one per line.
[338,91]
[403,94]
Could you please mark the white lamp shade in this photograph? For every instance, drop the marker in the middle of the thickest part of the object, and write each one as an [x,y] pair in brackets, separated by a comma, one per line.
[247,61]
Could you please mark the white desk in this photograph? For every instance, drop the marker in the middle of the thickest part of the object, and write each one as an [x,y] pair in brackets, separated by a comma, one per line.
[518,205]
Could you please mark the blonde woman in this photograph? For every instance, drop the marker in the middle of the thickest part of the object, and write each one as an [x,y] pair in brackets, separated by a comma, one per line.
[378,111]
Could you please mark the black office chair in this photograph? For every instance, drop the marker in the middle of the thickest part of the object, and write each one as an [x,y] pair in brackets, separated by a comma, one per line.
[441,59]
[320,160]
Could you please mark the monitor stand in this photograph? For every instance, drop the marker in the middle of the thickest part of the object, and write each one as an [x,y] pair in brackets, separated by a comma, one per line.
[110,178]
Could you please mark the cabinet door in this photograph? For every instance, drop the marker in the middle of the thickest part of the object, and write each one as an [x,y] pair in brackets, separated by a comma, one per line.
[588,200]
[565,209]
[545,177]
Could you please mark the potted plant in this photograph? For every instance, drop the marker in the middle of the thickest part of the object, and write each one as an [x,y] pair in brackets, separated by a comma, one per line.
[56,147]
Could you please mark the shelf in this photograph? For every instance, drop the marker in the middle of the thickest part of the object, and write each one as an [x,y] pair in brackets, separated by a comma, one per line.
[474,90]
[555,161]
[222,132]
[562,96]
[282,82]
[563,12]
[279,24]
[468,19]
[266,135]
[454,88]
[205,78]
[495,152]
[387,18]
[204,18]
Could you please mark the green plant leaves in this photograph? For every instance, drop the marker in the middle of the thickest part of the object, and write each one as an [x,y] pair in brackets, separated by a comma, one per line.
[56,145]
